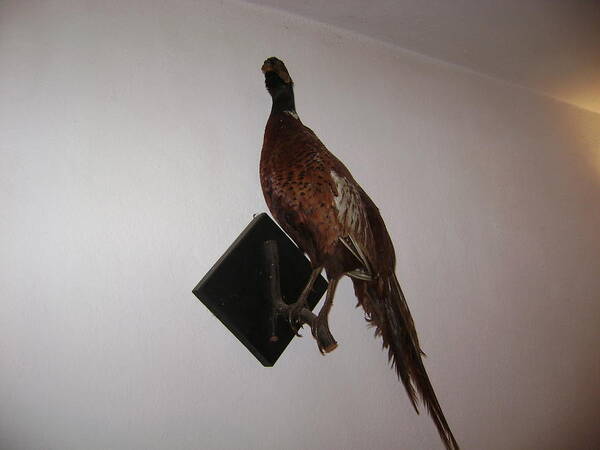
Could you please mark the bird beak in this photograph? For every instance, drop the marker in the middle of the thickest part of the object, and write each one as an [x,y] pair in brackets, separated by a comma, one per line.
[266,67]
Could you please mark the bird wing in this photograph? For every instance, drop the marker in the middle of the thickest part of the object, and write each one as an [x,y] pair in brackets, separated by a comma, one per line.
[357,234]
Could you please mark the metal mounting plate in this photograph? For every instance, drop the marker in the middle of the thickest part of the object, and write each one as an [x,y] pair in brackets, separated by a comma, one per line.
[235,288]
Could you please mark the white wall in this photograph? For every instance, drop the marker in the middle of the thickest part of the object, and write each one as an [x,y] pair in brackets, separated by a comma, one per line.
[130,134]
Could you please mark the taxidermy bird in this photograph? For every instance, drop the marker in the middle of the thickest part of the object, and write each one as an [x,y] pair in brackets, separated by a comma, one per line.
[315,199]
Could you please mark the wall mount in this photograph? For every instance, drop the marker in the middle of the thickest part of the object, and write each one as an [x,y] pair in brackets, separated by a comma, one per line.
[241,288]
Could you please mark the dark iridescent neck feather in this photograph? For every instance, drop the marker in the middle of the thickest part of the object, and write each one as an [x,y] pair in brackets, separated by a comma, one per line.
[281,93]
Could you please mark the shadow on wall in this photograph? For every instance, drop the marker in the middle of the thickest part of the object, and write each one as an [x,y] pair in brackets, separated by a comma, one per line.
[547,255]
[521,208]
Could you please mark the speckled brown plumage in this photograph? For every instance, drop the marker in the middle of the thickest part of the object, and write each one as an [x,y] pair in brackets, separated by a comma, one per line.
[315,199]
[299,189]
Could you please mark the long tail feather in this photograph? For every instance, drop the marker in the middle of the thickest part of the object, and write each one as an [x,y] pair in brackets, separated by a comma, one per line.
[386,308]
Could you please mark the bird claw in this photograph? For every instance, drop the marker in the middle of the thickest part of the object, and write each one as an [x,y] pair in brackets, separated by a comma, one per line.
[320,331]
[294,317]
[296,330]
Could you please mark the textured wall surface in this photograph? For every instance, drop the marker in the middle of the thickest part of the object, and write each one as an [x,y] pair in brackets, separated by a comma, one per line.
[130,134]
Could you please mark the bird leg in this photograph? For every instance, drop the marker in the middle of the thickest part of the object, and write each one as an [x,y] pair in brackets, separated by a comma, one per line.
[324,338]
[298,305]
[320,328]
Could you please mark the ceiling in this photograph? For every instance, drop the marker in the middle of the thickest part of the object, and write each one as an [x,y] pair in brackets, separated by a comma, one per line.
[550,46]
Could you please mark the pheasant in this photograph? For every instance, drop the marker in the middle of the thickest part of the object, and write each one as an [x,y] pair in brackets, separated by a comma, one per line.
[315,199]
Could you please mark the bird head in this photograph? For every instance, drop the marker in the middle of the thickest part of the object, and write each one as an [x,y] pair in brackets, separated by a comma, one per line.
[275,72]
[279,84]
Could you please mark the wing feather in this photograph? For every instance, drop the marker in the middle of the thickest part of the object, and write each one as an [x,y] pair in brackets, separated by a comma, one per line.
[352,215]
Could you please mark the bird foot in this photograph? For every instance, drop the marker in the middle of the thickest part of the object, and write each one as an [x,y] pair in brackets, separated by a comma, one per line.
[321,333]
[294,316]
[297,313]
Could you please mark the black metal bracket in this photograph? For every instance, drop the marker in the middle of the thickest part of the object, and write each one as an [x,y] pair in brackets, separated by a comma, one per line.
[238,289]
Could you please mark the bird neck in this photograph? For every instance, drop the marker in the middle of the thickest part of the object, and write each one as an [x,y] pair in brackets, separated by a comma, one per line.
[281,93]
[284,101]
